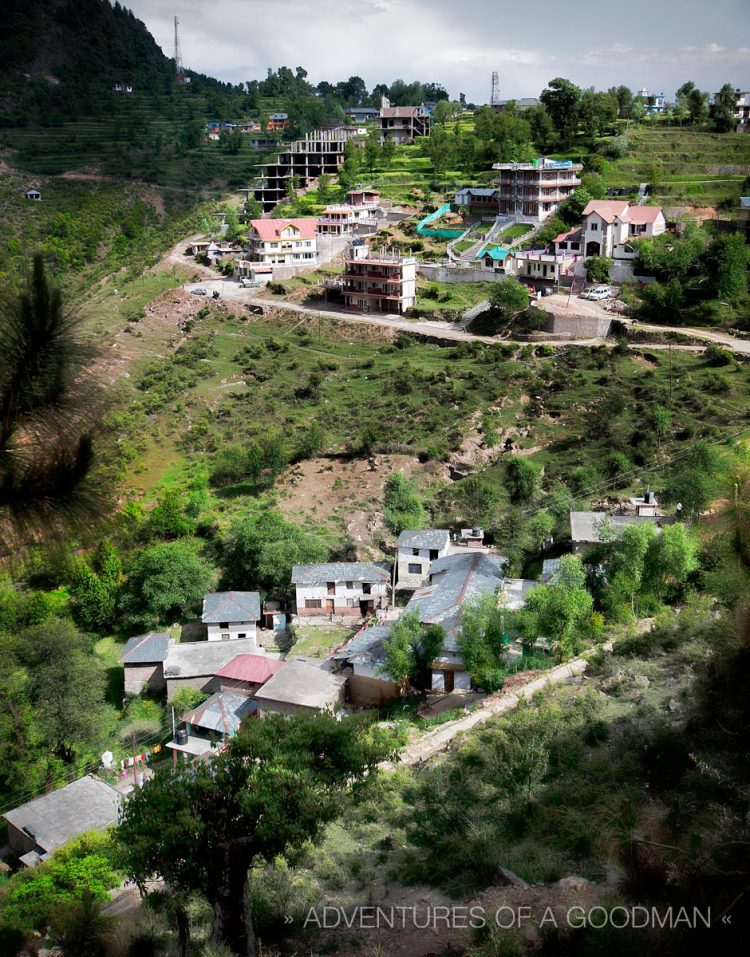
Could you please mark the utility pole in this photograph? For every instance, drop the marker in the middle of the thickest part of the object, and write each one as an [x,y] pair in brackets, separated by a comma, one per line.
[670,375]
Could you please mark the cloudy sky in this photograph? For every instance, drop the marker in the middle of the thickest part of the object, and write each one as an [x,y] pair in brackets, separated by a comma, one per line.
[653,43]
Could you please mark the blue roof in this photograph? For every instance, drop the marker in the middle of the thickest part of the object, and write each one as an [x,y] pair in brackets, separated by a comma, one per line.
[494,252]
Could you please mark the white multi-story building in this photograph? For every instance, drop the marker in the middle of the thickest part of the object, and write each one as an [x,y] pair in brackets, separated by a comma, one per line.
[350,589]
[534,191]
[341,218]
[414,552]
[653,103]
[382,281]
[283,242]
[609,226]
[231,614]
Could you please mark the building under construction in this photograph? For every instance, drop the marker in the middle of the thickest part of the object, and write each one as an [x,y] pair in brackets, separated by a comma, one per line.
[321,151]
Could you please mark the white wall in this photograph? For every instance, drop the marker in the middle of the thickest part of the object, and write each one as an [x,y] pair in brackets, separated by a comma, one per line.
[235,629]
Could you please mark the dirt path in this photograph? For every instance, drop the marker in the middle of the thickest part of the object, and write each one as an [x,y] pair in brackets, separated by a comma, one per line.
[431,743]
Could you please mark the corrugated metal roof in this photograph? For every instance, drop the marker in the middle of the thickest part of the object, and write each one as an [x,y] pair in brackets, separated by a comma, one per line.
[339,572]
[423,538]
[255,669]
[52,820]
[222,712]
[231,606]
[142,649]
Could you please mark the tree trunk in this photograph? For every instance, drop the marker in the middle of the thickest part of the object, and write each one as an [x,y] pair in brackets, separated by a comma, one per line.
[233,924]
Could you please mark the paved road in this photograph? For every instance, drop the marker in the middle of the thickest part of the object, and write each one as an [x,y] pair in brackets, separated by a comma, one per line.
[232,291]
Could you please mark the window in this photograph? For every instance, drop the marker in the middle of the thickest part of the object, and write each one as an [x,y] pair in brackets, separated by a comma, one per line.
[366,588]
[415,551]
[433,554]
[313,603]
[242,635]
[350,585]
[225,636]
[415,569]
[224,624]
[594,227]
[331,588]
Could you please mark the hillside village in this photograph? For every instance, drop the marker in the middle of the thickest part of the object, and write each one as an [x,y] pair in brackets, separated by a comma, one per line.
[374,489]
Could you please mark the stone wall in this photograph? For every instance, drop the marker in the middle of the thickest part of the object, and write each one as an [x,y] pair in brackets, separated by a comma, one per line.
[138,677]
[459,273]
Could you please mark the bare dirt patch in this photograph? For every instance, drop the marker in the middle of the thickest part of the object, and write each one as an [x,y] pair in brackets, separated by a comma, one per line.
[347,493]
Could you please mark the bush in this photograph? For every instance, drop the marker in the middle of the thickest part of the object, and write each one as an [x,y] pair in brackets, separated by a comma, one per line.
[717,356]
[188,699]
[402,507]
[522,479]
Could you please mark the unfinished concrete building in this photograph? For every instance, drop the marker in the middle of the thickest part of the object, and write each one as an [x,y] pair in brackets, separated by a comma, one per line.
[321,151]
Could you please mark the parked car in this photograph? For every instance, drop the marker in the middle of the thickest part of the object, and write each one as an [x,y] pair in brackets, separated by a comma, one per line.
[597,293]
[199,291]
[249,283]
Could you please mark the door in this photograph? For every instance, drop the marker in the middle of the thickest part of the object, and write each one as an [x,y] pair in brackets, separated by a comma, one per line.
[448,681]
[329,606]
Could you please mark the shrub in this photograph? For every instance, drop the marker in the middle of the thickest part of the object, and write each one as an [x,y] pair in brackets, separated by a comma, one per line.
[717,356]
[188,699]
[402,507]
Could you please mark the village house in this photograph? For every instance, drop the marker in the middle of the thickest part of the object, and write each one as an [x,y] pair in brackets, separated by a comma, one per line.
[369,684]
[209,726]
[303,687]
[231,615]
[143,662]
[245,674]
[403,123]
[653,103]
[493,257]
[453,580]
[379,281]
[569,242]
[743,217]
[533,191]
[195,664]
[415,549]
[39,827]
[33,194]
[363,197]
[610,226]
[338,219]
[346,589]
[742,110]
[478,199]
[361,114]
[255,272]
[283,242]
[277,122]
[539,265]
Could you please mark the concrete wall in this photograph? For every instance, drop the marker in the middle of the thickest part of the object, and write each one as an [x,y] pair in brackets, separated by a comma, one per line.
[461,680]
[405,557]
[459,273]
[19,840]
[235,629]
[138,677]
[579,327]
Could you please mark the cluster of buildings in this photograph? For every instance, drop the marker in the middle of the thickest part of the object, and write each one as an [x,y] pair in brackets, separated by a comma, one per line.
[244,680]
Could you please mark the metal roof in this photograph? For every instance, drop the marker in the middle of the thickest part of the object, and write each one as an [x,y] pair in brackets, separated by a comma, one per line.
[303,683]
[423,538]
[745,201]
[194,659]
[584,526]
[222,712]
[231,606]
[52,820]
[255,669]
[144,649]
[339,572]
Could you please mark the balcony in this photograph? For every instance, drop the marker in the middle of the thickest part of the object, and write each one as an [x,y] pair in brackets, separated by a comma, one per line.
[370,294]
[395,278]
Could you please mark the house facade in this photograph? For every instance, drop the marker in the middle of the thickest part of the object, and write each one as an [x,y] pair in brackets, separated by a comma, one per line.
[539,265]
[345,589]
[363,197]
[403,123]
[654,104]
[231,614]
[339,219]
[609,227]
[414,552]
[369,684]
[283,242]
[303,687]
[277,122]
[196,664]
[379,281]
[143,662]
[535,190]
[479,199]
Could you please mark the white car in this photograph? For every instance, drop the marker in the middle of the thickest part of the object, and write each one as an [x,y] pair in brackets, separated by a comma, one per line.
[598,293]
[199,292]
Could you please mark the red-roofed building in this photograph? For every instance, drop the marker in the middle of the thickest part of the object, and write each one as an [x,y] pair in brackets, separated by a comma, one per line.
[610,226]
[246,673]
[283,242]
[569,242]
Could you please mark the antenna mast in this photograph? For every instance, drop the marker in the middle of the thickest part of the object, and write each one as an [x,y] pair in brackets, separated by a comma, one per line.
[179,74]
[494,89]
